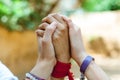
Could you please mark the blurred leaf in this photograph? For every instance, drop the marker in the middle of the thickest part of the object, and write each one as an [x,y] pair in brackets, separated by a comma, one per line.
[101,5]
[23,14]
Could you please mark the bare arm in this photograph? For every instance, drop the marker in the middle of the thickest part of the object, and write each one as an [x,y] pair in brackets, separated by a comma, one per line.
[93,71]
[60,40]
[46,57]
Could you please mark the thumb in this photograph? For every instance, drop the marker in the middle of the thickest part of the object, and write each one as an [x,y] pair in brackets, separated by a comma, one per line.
[71,26]
[69,22]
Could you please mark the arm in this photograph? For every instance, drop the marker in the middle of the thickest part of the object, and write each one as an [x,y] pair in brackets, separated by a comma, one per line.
[46,57]
[60,40]
[93,71]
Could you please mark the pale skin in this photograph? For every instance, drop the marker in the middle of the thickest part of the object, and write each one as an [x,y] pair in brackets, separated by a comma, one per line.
[46,57]
[78,53]
[93,72]
[60,35]
[60,39]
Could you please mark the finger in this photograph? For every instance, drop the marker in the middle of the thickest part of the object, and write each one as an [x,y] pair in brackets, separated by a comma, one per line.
[49,19]
[58,17]
[73,29]
[69,23]
[47,46]
[40,33]
[49,31]
[39,40]
[43,26]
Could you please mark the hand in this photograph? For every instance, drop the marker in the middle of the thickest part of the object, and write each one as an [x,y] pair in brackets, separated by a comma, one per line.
[60,37]
[78,52]
[46,59]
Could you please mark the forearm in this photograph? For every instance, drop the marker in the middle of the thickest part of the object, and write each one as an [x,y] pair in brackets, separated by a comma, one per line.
[94,72]
[43,69]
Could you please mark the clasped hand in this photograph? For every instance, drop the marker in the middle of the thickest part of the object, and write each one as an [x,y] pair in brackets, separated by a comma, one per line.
[58,39]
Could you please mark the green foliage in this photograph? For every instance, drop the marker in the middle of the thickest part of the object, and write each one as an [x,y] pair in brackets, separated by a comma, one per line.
[101,5]
[23,14]
[12,11]
[115,5]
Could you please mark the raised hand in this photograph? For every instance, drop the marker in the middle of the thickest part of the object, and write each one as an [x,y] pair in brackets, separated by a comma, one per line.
[93,71]
[60,37]
[46,58]
[78,52]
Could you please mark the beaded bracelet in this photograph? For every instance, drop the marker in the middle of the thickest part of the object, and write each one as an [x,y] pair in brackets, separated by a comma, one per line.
[33,77]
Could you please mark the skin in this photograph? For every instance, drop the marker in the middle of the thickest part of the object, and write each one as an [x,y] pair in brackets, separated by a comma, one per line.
[60,38]
[46,57]
[78,52]
[93,71]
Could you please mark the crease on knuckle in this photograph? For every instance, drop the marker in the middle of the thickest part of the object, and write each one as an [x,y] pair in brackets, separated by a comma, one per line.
[56,37]
[49,29]
[69,20]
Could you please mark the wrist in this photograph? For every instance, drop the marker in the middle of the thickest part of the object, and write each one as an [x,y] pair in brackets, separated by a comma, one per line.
[43,69]
[81,58]
[86,63]
[64,59]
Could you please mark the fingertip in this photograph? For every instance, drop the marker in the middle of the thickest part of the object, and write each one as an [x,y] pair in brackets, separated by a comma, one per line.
[52,14]
[68,21]
[64,17]
[39,33]
[50,29]
[53,26]
[36,32]
[44,20]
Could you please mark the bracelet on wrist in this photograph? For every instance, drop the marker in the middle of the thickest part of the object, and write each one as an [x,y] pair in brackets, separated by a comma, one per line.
[84,66]
[32,77]
[61,70]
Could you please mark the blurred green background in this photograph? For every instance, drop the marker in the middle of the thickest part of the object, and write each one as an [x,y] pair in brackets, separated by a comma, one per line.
[26,14]
[99,21]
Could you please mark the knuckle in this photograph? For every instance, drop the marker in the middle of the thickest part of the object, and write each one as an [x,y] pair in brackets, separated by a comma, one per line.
[45,24]
[42,25]
[63,29]
[49,28]
[56,37]
[44,42]
[69,20]
[56,14]
[49,16]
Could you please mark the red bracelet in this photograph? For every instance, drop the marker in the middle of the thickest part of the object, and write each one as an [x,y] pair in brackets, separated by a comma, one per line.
[62,70]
